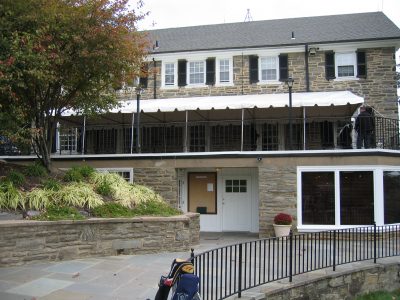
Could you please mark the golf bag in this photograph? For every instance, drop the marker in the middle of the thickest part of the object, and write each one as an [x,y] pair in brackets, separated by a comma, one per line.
[181,282]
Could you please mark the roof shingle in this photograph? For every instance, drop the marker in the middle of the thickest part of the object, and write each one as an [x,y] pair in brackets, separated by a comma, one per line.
[270,33]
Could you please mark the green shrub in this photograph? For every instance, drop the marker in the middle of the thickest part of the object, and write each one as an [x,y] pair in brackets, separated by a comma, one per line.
[73,175]
[78,194]
[39,199]
[380,295]
[55,213]
[10,196]
[86,171]
[17,178]
[112,210]
[51,184]
[155,208]
[104,189]
[36,170]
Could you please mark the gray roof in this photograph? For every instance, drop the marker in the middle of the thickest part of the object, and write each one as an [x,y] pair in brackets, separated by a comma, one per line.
[270,33]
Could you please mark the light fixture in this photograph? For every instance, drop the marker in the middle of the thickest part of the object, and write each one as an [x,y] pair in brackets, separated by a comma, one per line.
[259,158]
[313,51]
[289,82]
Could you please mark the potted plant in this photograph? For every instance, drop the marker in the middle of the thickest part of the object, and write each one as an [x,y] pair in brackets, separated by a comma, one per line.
[282,224]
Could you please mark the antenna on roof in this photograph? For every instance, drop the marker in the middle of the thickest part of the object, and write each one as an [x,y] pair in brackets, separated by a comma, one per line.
[248,17]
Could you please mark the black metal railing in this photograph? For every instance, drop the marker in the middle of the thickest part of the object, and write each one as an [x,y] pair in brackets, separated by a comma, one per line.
[230,270]
[228,135]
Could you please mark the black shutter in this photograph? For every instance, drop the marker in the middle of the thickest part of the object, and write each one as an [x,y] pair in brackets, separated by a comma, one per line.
[210,69]
[283,67]
[144,73]
[253,68]
[182,72]
[330,65]
[361,64]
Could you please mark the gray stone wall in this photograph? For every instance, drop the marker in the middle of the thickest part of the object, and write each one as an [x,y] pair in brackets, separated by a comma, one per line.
[338,285]
[277,194]
[161,180]
[378,89]
[24,242]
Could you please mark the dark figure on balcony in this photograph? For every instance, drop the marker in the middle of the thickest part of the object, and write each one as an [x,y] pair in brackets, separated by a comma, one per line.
[365,128]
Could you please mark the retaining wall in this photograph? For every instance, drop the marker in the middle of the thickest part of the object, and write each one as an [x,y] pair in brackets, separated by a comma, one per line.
[24,241]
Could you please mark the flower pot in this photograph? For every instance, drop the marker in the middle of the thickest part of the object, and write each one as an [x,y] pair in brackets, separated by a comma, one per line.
[282,230]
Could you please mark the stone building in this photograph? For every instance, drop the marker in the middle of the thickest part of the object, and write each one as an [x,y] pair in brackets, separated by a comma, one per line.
[242,121]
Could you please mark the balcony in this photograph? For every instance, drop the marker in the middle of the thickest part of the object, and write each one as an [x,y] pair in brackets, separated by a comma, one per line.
[115,134]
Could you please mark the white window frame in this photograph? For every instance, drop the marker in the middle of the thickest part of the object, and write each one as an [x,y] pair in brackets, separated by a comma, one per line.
[353,62]
[163,74]
[378,194]
[203,62]
[117,170]
[60,137]
[260,64]
[218,70]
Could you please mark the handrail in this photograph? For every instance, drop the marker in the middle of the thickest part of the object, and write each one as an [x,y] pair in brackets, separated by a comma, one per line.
[230,270]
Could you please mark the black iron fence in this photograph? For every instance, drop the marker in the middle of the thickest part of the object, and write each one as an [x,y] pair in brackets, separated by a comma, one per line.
[229,135]
[233,269]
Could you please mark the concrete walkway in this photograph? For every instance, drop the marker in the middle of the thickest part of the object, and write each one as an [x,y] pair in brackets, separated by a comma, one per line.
[113,278]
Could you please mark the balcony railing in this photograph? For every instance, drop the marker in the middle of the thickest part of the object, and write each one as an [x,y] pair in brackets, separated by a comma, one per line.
[230,270]
[225,135]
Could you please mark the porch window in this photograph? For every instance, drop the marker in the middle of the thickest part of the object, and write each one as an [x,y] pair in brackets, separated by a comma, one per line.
[68,138]
[196,72]
[356,198]
[169,76]
[225,137]
[162,139]
[349,197]
[318,197]
[269,68]
[270,137]
[391,183]
[197,138]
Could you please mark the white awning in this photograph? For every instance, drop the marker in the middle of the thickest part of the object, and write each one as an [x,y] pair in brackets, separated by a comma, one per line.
[238,102]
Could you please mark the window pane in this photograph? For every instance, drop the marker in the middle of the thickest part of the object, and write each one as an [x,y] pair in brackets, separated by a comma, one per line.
[196,72]
[356,198]
[318,198]
[345,71]
[269,68]
[391,184]
[224,70]
[169,74]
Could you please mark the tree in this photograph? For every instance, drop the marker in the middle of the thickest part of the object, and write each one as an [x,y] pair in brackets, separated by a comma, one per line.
[63,54]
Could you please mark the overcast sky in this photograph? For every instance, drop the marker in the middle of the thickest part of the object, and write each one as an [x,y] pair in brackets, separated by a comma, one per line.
[181,13]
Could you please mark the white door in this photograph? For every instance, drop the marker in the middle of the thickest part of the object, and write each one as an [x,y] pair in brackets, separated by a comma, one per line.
[236,204]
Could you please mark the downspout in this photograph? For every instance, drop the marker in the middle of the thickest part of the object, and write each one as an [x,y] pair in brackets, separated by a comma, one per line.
[242,73]
[83,135]
[154,79]
[307,68]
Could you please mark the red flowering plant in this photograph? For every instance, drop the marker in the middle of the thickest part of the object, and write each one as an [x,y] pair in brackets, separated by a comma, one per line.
[283,219]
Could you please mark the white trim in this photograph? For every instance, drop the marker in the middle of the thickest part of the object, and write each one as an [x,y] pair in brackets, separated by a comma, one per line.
[217,71]
[353,63]
[163,67]
[118,170]
[202,84]
[271,81]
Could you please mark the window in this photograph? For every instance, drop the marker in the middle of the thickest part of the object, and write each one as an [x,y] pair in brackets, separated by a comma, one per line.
[224,67]
[318,197]
[126,173]
[343,197]
[236,186]
[68,139]
[345,64]
[196,72]
[391,183]
[269,68]
[169,76]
